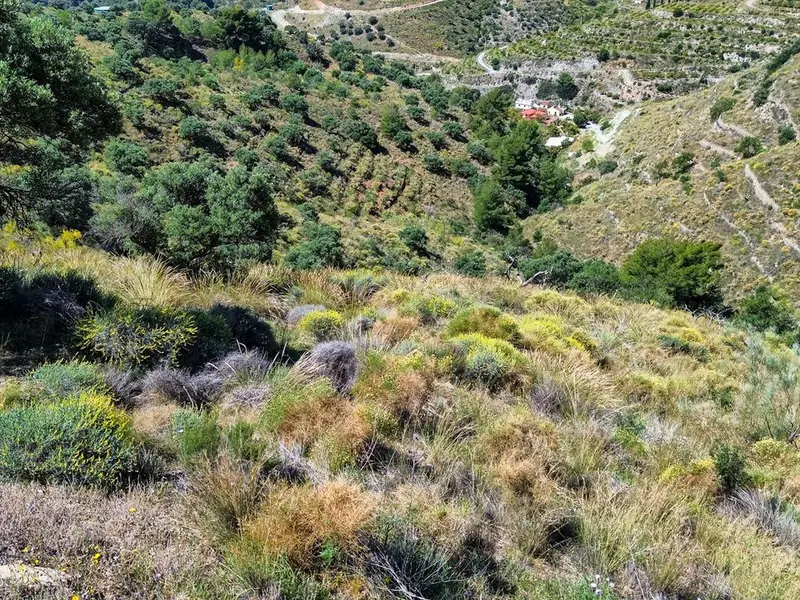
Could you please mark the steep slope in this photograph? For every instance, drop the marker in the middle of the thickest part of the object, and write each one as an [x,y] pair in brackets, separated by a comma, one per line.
[440,438]
[682,173]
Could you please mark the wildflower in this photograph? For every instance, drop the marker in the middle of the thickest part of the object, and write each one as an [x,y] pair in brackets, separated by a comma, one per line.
[132,509]
[96,558]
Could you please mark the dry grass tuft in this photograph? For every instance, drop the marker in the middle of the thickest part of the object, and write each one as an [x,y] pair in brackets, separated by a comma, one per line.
[222,495]
[296,521]
[146,281]
[571,385]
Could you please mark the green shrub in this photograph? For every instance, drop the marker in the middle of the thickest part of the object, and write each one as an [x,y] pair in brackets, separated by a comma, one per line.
[486,320]
[139,336]
[749,146]
[262,95]
[429,308]
[607,166]
[786,134]
[434,163]
[322,325]
[359,131]
[486,360]
[722,105]
[83,441]
[437,139]
[730,465]
[556,268]
[194,433]
[126,157]
[321,248]
[595,276]
[471,263]
[196,131]
[682,163]
[768,309]
[61,379]
[415,238]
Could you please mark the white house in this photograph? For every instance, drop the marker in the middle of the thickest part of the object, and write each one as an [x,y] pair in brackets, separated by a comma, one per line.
[558,142]
[524,104]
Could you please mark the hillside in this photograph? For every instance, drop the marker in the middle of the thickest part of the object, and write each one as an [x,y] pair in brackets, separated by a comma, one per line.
[436,31]
[681,173]
[285,319]
[439,438]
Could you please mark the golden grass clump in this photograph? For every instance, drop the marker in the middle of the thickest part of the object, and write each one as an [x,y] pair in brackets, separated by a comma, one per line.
[520,449]
[146,281]
[394,329]
[400,385]
[295,521]
[307,414]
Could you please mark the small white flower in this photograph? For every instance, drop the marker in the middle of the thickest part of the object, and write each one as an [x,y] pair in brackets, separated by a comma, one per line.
[592,585]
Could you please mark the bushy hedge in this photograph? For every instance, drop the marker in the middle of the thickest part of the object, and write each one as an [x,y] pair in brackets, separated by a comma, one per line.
[139,336]
[82,441]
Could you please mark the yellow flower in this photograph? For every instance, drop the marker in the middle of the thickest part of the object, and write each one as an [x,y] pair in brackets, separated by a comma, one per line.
[96,558]
[131,510]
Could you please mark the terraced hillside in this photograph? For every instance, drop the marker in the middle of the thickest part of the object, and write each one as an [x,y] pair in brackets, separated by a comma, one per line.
[440,27]
[678,169]
[670,49]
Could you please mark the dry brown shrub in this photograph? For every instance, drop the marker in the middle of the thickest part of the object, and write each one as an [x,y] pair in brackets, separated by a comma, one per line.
[315,416]
[395,329]
[296,520]
[400,390]
[519,433]
[528,477]
[222,495]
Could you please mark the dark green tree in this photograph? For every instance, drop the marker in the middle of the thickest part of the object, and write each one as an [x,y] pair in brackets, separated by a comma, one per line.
[495,207]
[47,94]
[491,112]
[595,276]
[415,238]
[675,273]
[514,160]
[392,122]
[241,27]
[566,88]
